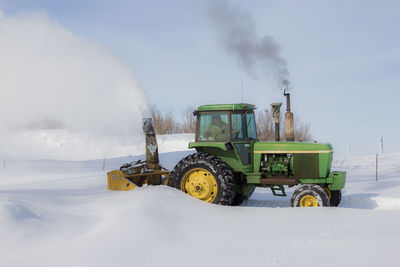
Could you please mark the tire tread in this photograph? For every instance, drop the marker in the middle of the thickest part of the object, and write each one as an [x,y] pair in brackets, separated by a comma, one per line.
[221,171]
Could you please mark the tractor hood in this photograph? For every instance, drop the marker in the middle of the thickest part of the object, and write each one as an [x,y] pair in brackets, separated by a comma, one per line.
[308,159]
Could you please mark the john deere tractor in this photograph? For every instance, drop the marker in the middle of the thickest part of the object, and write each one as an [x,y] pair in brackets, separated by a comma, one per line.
[231,162]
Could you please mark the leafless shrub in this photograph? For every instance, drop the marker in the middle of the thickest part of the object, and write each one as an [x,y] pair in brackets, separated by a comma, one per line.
[46,123]
[266,128]
[189,120]
[302,132]
[164,123]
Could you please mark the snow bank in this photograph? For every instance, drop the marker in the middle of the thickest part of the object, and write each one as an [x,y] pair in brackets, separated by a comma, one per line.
[60,213]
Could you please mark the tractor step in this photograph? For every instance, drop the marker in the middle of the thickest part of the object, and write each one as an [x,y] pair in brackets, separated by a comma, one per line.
[278,190]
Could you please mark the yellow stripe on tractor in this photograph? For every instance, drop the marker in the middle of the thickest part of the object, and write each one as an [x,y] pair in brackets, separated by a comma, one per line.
[117,181]
[293,151]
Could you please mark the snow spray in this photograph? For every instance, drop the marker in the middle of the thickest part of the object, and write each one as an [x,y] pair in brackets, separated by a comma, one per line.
[51,78]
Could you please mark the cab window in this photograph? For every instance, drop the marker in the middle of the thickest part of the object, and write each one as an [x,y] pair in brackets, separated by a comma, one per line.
[214,127]
[251,126]
[243,126]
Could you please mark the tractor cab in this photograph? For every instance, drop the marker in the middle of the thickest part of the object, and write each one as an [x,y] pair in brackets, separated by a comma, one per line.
[226,123]
[228,128]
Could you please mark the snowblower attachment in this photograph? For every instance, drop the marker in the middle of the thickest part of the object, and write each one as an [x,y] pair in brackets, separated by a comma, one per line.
[136,174]
[117,181]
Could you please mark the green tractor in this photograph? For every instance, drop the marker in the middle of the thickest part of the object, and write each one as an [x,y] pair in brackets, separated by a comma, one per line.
[230,162]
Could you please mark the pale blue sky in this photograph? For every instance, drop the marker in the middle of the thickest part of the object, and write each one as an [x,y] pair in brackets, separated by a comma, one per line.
[344,58]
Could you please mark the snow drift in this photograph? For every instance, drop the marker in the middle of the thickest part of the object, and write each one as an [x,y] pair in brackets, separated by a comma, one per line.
[60,213]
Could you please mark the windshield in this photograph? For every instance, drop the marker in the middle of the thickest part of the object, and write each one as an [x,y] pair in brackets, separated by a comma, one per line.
[214,127]
[243,126]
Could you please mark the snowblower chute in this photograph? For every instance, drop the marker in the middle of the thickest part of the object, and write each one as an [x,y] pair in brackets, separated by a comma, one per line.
[134,174]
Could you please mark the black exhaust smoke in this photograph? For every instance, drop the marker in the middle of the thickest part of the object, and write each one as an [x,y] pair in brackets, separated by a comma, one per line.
[258,55]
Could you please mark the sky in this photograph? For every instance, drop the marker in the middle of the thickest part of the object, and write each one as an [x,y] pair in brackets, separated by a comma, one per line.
[343,58]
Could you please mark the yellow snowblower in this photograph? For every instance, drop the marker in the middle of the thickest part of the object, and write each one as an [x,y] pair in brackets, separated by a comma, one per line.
[134,174]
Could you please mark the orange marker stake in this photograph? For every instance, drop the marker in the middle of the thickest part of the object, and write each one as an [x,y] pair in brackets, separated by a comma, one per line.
[376,167]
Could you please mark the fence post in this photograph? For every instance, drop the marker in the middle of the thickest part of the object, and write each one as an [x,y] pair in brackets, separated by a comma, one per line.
[376,167]
[104,164]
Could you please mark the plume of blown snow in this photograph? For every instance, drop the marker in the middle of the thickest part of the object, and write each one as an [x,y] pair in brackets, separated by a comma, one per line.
[48,74]
[257,56]
[52,78]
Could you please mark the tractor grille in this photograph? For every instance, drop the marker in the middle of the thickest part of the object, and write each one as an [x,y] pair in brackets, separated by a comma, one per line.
[306,165]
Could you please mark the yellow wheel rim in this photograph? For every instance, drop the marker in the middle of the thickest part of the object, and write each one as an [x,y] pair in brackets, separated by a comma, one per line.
[201,184]
[328,192]
[308,201]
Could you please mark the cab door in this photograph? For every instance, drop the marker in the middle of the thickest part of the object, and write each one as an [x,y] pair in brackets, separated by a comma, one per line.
[243,136]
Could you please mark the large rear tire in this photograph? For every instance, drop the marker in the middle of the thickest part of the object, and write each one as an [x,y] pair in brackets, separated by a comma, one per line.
[205,177]
[239,198]
[310,195]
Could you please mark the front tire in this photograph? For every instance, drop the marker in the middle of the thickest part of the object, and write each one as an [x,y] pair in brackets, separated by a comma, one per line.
[240,198]
[310,195]
[206,177]
[336,197]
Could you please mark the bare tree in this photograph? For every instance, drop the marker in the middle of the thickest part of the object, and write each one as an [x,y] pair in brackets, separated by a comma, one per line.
[47,123]
[266,128]
[157,119]
[189,120]
[302,132]
[164,124]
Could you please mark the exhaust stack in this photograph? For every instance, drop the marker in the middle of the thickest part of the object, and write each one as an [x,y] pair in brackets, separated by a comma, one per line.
[289,127]
[276,112]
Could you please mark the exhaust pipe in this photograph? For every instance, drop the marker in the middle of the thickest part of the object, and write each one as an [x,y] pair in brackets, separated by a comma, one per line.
[276,112]
[289,127]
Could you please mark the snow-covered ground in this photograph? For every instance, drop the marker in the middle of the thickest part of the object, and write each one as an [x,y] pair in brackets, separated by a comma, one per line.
[59,213]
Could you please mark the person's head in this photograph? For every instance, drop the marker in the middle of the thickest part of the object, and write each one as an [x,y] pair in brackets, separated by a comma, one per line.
[216,119]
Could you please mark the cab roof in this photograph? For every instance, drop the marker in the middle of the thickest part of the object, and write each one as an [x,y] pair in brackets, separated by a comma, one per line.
[220,107]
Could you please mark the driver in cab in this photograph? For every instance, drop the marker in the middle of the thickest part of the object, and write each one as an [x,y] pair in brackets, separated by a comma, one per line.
[217,130]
